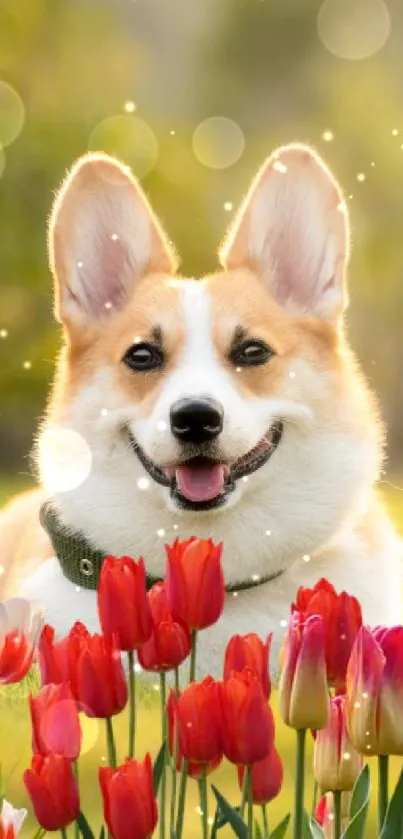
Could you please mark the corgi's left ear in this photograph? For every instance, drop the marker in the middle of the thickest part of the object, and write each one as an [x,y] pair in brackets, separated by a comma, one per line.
[292,230]
[103,238]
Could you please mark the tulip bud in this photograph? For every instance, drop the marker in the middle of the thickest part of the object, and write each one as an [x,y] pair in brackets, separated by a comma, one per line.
[129,804]
[251,652]
[55,723]
[96,673]
[248,723]
[52,788]
[195,582]
[303,685]
[123,607]
[267,777]
[199,722]
[194,770]
[375,691]
[169,643]
[336,762]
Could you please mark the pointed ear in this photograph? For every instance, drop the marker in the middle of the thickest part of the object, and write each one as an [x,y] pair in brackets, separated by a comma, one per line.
[103,237]
[293,231]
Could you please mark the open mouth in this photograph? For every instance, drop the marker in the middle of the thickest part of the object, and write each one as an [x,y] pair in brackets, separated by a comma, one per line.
[204,483]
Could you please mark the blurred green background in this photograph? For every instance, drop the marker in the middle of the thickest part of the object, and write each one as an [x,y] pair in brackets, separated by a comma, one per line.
[142,79]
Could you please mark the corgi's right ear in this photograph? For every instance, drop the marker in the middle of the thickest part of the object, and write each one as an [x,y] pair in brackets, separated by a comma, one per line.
[103,237]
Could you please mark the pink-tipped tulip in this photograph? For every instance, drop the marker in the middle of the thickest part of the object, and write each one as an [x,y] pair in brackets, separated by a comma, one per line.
[303,685]
[375,691]
[336,762]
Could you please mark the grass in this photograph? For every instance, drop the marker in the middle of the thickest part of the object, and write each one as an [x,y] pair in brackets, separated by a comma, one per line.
[15,748]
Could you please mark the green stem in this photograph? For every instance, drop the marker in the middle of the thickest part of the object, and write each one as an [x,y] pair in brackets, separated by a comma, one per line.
[132,703]
[250,801]
[177,685]
[63,832]
[40,833]
[163,786]
[192,674]
[337,814]
[383,787]
[174,761]
[182,800]
[265,821]
[315,798]
[110,740]
[75,770]
[299,784]
[244,794]
[202,783]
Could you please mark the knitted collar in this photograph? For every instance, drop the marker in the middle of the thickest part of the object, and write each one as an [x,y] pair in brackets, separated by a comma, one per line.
[81,562]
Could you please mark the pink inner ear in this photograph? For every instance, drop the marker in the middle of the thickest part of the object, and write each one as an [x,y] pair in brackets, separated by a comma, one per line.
[101,281]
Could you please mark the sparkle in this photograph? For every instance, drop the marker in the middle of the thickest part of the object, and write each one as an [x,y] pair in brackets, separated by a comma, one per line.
[104,412]
[114,237]
[238,369]
[156,686]
[279,167]
[361,177]
[176,526]
[331,817]
[78,588]
[255,577]
[342,637]
[365,696]
[346,756]
[357,704]
[103,758]
[161,532]
[306,558]
[283,623]
[367,733]
[27,365]
[143,483]
[245,478]
[368,747]
[199,811]
[395,132]
[228,206]
[350,197]
[3,333]
[161,425]
[210,820]
[137,667]
[373,162]
[292,374]
[108,305]
[172,133]
[267,532]
[342,207]
[235,594]
[328,136]
[80,264]
[130,107]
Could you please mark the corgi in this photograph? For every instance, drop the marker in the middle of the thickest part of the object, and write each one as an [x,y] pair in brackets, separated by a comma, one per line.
[228,407]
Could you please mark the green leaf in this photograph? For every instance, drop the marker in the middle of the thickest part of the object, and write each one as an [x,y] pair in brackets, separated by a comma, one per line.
[84,827]
[281,829]
[159,766]
[173,833]
[258,831]
[393,825]
[233,817]
[312,829]
[102,832]
[359,807]
[220,820]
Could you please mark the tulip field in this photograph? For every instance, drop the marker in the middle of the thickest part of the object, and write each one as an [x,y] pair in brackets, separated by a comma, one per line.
[16,746]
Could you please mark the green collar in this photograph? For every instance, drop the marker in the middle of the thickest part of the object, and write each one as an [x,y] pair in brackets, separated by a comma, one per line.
[81,562]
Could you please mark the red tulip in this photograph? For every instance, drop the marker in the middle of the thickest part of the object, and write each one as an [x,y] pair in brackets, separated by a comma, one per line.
[194,770]
[343,618]
[303,685]
[123,607]
[55,723]
[11,820]
[20,627]
[375,691]
[199,722]
[267,777]
[130,808]
[337,764]
[322,811]
[248,724]
[53,657]
[195,582]
[251,652]
[169,643]
[52,788]
[96,673]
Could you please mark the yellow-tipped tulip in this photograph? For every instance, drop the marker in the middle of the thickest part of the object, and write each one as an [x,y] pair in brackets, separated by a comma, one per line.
[337,764]
[303,685]
[375,691]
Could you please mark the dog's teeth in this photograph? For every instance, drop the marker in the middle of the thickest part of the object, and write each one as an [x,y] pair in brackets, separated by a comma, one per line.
[169,472]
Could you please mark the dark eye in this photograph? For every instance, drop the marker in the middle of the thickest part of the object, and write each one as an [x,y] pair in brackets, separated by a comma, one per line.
[251,354]
[143,356]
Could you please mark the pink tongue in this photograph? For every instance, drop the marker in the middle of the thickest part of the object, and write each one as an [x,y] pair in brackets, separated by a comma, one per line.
[200,483]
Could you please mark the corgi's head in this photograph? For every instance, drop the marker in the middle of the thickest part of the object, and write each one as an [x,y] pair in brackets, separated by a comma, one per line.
[194,395]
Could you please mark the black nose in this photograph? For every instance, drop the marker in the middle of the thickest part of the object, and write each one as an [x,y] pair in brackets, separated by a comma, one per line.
[196,421]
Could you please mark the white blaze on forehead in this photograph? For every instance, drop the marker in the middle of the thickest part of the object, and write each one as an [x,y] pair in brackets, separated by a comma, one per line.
[198,351]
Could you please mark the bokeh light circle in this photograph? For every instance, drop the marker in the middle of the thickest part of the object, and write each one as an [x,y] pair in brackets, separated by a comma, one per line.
[90,728]
[2,160]
[353,29]
[218,142]
[12,114]
[128,138]
[65,459]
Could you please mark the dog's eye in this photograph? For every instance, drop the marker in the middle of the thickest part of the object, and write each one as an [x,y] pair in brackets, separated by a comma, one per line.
[143,356]
[251,354]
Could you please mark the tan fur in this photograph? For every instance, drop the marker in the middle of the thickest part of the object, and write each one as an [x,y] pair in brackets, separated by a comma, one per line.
[23,543]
